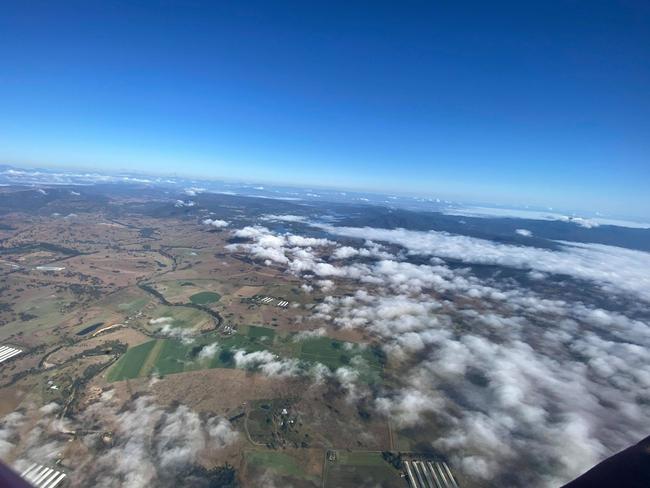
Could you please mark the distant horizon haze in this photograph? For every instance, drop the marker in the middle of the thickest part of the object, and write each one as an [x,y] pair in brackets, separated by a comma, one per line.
[540,103]
[519,208]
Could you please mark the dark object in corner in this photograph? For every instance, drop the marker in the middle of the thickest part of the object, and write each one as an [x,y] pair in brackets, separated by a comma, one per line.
[629,468]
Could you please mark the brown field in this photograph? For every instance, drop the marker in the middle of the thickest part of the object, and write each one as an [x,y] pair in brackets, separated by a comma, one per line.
[126,336]
[219,391]
[108,257]
[12,396]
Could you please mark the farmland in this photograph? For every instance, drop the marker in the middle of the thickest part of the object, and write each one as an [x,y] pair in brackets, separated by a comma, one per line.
[292,468]
[130,301]
[359,468]
[204,297]
[171,356]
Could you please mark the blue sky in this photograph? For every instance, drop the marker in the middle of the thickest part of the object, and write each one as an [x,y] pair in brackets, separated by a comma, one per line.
[542,103]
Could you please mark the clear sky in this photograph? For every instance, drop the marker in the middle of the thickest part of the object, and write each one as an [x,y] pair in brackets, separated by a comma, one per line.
[517,102]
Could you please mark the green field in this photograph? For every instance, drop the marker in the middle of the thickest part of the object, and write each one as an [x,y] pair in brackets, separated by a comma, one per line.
[171,356]
[361,468]
[44,309]
[264,333]
[197,291]
[361,458]
[182,316]
[335,354]
[204,297]
[133,306]
[131,363]
[281,463]
[129,300]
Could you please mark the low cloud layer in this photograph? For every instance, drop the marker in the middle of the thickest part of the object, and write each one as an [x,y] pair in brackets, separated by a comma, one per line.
[614,268]
[508,377]
[149,445]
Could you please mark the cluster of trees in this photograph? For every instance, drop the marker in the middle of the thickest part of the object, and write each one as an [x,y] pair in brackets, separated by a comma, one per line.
[393,458]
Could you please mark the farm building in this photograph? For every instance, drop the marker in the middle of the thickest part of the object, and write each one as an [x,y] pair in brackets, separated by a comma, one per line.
[7,352]
[43,477]
[427,474]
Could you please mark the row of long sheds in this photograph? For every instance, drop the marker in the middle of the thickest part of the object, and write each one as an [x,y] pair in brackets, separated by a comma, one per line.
[7,352]
[429,474]
[43,477]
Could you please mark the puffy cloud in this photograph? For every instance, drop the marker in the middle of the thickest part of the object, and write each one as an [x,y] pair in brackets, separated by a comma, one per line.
[193,191]
[209,351]
[309,334]
[184,203]
[161,320]
[508,376]
[216,223]
[524,232]
[345,252]
[221,433]
[300,241]
[251,232]
[325,285]
[614,268]
[348,378]
[50,408]
[279,248]
[512,384]
[151,445]
[408,406]
[182,333]
[9,432]
[267,362]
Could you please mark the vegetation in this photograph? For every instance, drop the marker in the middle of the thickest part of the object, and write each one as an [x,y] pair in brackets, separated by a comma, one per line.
[255,332]
[361,468]
[204,297]
[279,462]
[130,364]
[335,354]
[198,476]
[392,458]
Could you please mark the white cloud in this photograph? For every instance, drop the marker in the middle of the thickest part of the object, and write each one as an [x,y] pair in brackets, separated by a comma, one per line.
[193,191]
[504,373]
[491,212]
[345,252]
[182,333]
[209,351]
[535,396]
[613,268]
[267,362]
[151,445]
[9,432]
[284,218]
[161,320]
[186,203]
[217,223]
[304,335]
